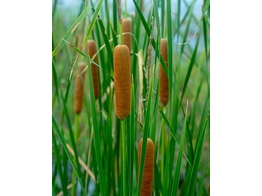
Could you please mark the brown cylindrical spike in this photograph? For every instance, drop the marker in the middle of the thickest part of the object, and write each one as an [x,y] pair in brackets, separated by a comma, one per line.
[79,88]
[127,28]
[122,80]
[95,71]
[148,174]
[164,91]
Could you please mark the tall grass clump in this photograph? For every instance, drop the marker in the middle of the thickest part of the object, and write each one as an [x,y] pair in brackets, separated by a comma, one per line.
[122,71]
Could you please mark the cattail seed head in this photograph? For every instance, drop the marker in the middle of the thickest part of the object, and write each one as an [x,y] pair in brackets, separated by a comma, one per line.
[122,80]
[95,71]
[164,91]
[148,175]
[79,88]
[127,28]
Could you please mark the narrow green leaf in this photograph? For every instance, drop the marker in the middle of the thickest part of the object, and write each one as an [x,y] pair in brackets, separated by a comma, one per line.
[145,136]
[70,31]
[86,56]
[170,128]
[107,44]
[199,145]
[185,34]
[157,178]
[192,61]
[71,134]
[92,23]
[179,159]
[205,37]
[202,190]
[59,167]
[163,18]
[131,143]
[96,131]
[62,140]
[148,34]
[169,46]
[55,80]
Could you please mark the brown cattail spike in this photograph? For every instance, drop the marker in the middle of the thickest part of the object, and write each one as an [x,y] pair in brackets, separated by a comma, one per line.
[127,28]
[95,71]
[122,80]
[148,174]
[79,88]
[164,91]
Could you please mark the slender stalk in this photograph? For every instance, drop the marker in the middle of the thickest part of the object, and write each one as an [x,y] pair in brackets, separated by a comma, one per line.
[120,34]
[73,189]
[162,148]
[123,156]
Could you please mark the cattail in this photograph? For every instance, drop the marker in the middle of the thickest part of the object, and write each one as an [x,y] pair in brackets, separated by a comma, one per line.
[95,71]
[148,174]
[122,75]
[164,92]
[79,88]
[127,28]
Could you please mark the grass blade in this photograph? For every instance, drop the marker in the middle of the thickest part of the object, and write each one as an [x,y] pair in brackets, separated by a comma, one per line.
[55,80]
[96,131]
[59,167]
[92,23]
[62,140]
[179,158]
[106,40]
[170,128]
[199,145]
[169,46]
[70,31]
[148,34]
[86,56]
[192,61]
[205,36]
[146,131]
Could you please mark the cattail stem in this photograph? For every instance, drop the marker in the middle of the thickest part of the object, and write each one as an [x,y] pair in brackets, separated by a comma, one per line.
[73,189]
[123,156]
[120,35]
[162,149]
[148,172]
[122,80]
[77,131]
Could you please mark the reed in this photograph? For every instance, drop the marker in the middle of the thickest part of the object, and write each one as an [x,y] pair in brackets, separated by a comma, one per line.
[79,88]
[95,71]
[164,91]
[122,80]
[105,135]
[148,175]
[127,28]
